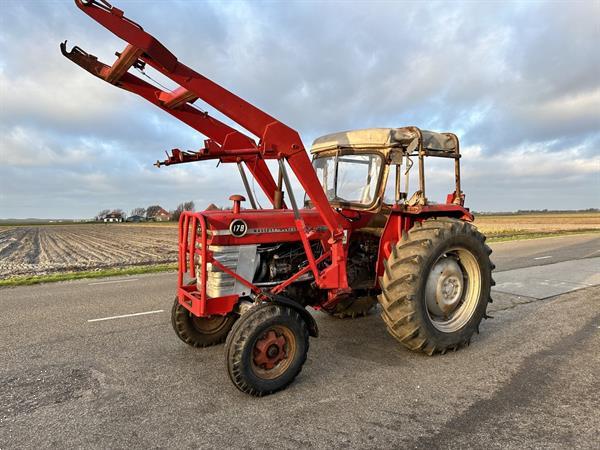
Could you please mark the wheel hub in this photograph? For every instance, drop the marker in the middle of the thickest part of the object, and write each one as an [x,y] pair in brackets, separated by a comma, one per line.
[269,350]
[444,288]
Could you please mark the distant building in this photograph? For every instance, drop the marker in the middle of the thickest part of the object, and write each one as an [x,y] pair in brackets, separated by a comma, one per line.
[161,215]
[136,219]
[113,217]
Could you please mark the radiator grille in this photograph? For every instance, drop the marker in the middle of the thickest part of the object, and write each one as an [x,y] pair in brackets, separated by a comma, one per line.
[241,259]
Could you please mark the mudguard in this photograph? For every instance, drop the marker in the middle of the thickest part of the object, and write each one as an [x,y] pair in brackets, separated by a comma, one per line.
[311,323]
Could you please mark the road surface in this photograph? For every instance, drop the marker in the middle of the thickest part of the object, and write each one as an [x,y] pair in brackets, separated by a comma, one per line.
[529,380]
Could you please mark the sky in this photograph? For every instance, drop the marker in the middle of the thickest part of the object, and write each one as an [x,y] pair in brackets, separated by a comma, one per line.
[518,82]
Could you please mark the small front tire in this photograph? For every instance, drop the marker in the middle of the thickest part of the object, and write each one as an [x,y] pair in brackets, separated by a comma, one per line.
[266,349]
[200,331]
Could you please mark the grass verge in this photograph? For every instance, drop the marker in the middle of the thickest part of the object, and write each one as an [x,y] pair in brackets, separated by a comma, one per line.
[68,276]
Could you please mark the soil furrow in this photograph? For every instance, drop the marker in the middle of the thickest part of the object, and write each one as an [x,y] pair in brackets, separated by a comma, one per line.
[37,250]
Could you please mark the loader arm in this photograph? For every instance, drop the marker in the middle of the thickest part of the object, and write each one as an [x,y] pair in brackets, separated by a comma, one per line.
[217,131]
[276,140]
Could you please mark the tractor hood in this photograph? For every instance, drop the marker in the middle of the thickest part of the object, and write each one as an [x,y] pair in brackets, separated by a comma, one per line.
[263,226]
[408,139]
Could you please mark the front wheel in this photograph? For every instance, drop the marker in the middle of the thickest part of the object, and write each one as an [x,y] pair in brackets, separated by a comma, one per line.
[436,285]
[200,331]
[266,349]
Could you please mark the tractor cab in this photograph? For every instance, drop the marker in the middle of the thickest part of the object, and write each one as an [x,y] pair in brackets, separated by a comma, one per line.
[353,166]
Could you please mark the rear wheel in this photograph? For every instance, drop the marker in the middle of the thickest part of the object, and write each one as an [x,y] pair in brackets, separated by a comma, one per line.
[436,285]
[354,307]
[200,331]
[266,349]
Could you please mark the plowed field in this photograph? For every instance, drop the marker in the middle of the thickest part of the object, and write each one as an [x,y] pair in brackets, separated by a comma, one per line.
[37,250]
[48,249]
[510,225]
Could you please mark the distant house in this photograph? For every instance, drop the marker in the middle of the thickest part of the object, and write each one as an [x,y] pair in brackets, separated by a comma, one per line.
[161,215]
[136,219]
[113,217]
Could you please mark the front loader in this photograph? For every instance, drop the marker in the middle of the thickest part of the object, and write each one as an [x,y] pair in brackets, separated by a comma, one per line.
[247,275]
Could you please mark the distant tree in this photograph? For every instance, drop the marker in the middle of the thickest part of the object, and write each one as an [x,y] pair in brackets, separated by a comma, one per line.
[151,211]
[185,206]
[138,212]
[119,212]
[102,214]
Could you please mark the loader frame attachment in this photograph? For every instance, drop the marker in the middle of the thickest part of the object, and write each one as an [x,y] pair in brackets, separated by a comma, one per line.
[276,140]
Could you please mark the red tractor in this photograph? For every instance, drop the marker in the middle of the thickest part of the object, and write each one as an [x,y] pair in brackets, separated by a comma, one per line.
[246,275]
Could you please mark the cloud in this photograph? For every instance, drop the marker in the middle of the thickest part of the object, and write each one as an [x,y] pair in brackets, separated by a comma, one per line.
[519,82]
[25,147]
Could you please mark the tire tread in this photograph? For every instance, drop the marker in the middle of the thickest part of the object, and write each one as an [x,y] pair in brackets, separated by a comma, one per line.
[402,275]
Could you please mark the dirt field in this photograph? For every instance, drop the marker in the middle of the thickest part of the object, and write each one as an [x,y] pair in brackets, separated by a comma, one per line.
[537,223]
[37,250]
[48,249]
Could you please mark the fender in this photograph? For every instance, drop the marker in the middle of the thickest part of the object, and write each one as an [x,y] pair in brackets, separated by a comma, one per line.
[402,219]
[392,233]
[310,321]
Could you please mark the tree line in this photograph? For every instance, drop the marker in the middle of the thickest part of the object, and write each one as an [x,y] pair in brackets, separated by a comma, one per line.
[148,213]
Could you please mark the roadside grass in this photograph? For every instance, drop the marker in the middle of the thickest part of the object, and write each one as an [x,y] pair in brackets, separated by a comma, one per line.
[89,274]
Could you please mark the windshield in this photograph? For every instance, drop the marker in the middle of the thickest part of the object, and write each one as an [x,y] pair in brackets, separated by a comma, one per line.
[349,178]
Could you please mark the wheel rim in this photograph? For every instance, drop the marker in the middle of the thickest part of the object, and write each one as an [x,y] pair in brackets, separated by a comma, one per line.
[273,352]
[453,289]
[208,325]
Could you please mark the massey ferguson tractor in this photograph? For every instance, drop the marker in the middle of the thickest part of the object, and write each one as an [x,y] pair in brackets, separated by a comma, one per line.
[247,274]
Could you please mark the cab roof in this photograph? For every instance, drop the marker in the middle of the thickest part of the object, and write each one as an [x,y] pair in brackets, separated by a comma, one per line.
[406,138]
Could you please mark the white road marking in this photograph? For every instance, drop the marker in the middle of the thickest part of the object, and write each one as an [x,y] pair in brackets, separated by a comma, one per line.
[127,315]
[113,281]
[542,257]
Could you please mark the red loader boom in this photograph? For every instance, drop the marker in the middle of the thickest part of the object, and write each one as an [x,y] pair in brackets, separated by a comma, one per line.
[276,140]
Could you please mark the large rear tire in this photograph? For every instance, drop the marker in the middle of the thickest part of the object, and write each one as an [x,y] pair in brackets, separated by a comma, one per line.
[200,331]
[436,285]
[354,307]
[266,349]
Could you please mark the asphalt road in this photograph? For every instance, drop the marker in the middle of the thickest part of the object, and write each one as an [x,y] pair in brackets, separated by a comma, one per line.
[529,380]
[536,252]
